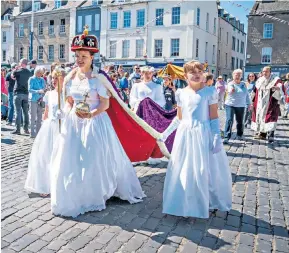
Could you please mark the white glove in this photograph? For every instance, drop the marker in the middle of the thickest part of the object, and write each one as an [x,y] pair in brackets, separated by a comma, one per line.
[60,114]
[217,140]
[171,128]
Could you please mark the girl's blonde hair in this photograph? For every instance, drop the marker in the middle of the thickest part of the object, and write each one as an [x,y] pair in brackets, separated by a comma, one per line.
[191,66]
[54,73]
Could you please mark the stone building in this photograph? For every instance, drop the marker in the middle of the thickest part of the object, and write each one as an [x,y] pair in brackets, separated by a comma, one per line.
[268,38]
[53,29]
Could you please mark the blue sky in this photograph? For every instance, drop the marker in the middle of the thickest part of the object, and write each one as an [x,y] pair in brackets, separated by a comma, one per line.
[238,12]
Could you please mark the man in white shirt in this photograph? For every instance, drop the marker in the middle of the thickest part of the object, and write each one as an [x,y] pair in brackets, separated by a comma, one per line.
[147,89]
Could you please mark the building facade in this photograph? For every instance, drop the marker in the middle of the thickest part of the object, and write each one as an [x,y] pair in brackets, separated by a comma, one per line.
[89,14]
[7,37]
[231,44]
[149,32]
[51,31]
[268,38]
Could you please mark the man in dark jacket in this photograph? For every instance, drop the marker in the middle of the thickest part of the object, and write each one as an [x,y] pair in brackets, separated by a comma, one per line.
[20,92]
[169,92]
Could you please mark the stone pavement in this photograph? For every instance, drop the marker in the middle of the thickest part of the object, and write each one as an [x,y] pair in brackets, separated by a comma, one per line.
[258,221]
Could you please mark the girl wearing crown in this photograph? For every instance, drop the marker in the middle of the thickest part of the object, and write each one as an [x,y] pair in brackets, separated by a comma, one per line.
[89,164]
[38,175]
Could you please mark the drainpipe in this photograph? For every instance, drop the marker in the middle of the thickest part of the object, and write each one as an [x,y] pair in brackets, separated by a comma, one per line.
[31,32]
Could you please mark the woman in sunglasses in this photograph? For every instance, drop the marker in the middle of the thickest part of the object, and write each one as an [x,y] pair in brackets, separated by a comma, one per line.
[251,81]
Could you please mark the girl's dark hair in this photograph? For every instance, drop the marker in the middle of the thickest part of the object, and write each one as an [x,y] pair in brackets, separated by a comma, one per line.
[209,77]
[248,80]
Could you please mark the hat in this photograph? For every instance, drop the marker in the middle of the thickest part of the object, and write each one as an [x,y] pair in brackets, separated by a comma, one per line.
[147,69]
[220,77]
[13,65]
[85,41]
[33,62]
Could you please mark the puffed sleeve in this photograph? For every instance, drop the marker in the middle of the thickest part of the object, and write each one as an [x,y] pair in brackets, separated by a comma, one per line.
[101,90]
[67,89]
[213,98]
[45,98]
[178,97]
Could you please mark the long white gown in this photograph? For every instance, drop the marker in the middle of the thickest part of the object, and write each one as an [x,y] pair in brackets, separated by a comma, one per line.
[150,90]
[197,180]
[89,165]
[38,173]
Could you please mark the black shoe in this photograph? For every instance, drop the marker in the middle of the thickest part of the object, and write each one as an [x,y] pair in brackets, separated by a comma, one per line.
[271,139]
[9,124]
[26,132]
[239,138]
[16,132]
[226,141]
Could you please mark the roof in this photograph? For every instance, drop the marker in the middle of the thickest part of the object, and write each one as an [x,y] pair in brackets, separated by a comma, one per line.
[8,11]
[51,7]
[267,7]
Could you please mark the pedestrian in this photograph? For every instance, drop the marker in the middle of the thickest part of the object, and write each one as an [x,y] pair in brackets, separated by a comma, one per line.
[49,78]
[169,92]
[267,95]
[38,173]
[251,82]
[89,164]
[36,93]
[284,106]
[4,96]
[20,93]
[135,77]
[209,79]
[236,102]
[198,177]
[221,90]
[33,65]
[123,86]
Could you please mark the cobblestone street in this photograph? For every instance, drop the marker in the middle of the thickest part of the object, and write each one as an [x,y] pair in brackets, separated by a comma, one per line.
[258,221]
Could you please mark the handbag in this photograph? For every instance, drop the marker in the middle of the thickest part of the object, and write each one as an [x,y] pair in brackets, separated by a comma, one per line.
[41,103]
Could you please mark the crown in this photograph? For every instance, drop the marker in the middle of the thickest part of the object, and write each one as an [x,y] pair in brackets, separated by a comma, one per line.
[85,42]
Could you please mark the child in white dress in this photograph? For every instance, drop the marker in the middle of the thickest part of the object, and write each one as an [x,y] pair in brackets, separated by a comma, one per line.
[198,175]
[38,174]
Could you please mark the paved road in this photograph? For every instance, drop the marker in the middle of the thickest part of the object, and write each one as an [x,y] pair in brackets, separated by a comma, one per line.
[258,222]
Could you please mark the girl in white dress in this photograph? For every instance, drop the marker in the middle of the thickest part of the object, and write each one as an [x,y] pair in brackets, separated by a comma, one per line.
[38,174]
[198,175]
[89,164]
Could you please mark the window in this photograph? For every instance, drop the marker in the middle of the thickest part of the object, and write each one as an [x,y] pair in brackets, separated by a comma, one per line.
[159,17]
[227,38]
[268,31]
[94,2]
[215,26]
[198,16]
[214,54]
[21,53]
[51,27]
[3,55]
[40,28]
[266,55]
[242,47]
[158,48]
[220,34]
[79,24]
[175,47]
[113,20]
[237,63]
[87,21]
[4,36]
[197,48]
[51,52]
[61,51]
[219,56]
[7,16]
[139,48]
[233,63]
[21,30]
[226,60]
[28,53]
[40,53]
[238,45]
[57,3]
[97,22]
[126,19]
[36,6]
[112,49]
[206,52]
[29,27]
[176,15]
[233,43]
[241,64]
[125,49]
[207,22]
[140,18]
[62,26]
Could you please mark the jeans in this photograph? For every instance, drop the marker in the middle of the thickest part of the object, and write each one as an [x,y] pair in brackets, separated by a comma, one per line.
[248,117]
[11,107]
[21,103]
[36,118]
[239,114]
[221,97]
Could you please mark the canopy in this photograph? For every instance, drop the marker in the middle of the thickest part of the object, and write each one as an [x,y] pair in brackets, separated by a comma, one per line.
[174,71]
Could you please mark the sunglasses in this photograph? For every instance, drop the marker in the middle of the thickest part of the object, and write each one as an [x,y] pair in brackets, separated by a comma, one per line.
[136,68]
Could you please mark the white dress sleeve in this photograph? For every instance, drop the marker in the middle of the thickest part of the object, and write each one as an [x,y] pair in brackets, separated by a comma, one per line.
[46,97]
[213,99]
[101,90]
[178,97]
[133,97]
[159,96]
[67,89]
